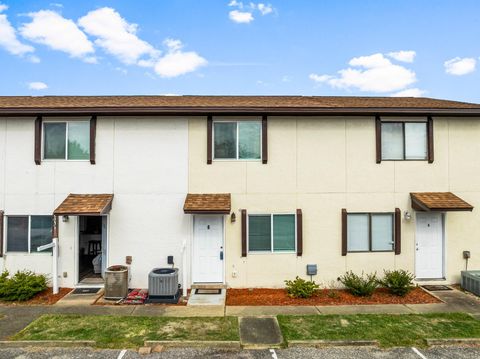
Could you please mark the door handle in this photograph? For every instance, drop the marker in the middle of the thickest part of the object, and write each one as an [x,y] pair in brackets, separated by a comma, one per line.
[221,255]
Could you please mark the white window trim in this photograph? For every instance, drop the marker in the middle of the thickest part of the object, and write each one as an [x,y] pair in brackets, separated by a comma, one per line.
[29,239]
[403,122]
[370,243]
[271,251]
[237,140]
[66,142]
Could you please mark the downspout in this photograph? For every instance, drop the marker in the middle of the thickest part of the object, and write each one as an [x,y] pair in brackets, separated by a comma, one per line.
[55,255]
[184,268]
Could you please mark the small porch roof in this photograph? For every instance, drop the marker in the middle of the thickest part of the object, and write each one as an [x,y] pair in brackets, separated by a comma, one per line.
[209,203]
[85,205]
[438,201]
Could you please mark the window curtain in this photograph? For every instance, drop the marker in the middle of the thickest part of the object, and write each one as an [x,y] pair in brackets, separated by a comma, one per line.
[357,232]
[392,141]
[415,141]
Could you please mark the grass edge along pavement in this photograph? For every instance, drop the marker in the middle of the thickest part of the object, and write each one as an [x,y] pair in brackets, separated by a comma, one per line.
[128,331]
[391,330]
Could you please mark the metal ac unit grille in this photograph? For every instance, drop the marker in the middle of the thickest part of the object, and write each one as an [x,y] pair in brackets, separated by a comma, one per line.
[163,282]
[471,281]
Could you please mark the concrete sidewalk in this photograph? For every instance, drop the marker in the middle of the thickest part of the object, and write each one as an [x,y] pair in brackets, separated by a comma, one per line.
[17,317]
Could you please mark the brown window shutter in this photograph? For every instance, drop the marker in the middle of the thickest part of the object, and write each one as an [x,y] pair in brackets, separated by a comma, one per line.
[264,140]
[209,139]
[378,138]
[38,140]
[1,233]
[244,232]
[344,232]
[299,233]
[93,134]
[398,231]
[430,139]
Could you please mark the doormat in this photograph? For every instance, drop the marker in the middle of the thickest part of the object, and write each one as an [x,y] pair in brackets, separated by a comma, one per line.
[86,290]
[436,288]
[208,291]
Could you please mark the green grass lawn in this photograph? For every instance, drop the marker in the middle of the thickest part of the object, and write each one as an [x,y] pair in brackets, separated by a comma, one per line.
[127,332]
[389,330]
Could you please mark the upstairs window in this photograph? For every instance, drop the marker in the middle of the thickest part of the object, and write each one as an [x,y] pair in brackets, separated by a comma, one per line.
[370,232]
[66,140]
[238,140]
[404,140]
[271,233]
[27,233]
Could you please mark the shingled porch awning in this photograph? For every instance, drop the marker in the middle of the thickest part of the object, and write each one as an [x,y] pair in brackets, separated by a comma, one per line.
[85,205]
[438,201]
[210,203]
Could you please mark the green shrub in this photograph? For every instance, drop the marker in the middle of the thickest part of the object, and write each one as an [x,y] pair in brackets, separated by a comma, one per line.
[398,282]
[360,286]
[301,288]
[21,286]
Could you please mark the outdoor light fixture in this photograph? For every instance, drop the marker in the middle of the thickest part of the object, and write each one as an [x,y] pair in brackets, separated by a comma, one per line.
[64,218]
[407,215]
[233,217]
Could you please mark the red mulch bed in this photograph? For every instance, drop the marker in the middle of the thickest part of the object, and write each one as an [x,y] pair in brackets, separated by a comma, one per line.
[263,296]
[45,297]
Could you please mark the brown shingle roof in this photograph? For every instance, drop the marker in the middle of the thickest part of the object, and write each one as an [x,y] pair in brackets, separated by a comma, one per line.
[85,204]
[438,201]
[218,203]
[225,104]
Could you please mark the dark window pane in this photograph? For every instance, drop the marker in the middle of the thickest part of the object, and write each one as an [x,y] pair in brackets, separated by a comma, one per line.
[249,140]
[17,234]
[41,232]
[54,146]
[259,233]
[225,141]
[283,232]
[78,140]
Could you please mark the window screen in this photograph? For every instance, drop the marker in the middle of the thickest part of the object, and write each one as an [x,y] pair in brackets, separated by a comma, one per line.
[283,232]
[225,141]
[54,141]
[17,234]
[259,233]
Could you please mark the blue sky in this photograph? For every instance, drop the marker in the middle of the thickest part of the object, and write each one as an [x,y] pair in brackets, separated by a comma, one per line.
[296,47]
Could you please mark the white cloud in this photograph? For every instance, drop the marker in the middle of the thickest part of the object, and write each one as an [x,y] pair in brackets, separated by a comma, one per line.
[8,36]
[53,30]
[373,73]
[37,86]
[403,56]
[240,17]
[413,92]
[458,66]
[265,9]
[116,36]
[244,13]
[177,62]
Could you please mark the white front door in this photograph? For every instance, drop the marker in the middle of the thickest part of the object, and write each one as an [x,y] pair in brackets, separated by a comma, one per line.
[207,249]
[429,246]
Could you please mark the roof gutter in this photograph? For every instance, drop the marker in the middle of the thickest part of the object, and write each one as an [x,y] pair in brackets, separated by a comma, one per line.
[202,111]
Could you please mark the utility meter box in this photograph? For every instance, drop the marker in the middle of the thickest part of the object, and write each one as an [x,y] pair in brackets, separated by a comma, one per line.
[311,269]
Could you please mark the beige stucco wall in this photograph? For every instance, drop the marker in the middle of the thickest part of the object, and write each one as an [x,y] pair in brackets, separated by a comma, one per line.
[324,164]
